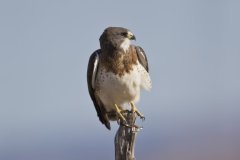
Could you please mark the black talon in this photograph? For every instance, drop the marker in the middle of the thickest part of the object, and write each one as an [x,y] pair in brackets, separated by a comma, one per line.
[142,118]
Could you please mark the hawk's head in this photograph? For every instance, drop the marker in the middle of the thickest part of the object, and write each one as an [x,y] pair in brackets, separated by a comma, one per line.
[116,37]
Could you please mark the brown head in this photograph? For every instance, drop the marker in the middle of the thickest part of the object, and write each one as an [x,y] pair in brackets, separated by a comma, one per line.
[116,38]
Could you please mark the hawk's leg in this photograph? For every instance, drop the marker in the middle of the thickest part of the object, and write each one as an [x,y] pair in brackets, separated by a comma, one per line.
[135,110]
[121,117]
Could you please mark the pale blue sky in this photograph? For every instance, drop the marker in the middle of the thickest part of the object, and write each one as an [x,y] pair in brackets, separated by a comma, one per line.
[193,49]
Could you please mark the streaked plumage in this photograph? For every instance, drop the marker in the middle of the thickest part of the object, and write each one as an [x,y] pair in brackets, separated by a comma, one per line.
[116,73]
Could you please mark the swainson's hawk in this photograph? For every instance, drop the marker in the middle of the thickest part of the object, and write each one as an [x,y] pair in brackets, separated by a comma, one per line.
[116,73]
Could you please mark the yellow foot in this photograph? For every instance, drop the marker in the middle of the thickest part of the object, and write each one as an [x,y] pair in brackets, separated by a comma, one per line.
[118,110]
[135,110]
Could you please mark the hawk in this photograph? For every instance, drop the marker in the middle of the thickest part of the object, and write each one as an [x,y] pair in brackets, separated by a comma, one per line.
[116,73]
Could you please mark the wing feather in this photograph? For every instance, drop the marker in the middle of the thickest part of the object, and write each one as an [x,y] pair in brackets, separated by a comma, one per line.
[91,77]
[142,58]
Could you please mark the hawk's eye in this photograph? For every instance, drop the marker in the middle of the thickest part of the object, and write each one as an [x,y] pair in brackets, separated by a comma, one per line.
[124,34]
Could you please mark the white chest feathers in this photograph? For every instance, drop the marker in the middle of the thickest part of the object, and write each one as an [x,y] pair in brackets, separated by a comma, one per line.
[115,89]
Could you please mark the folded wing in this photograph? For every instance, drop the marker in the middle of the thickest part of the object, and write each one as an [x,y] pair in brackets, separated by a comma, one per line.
[91,80]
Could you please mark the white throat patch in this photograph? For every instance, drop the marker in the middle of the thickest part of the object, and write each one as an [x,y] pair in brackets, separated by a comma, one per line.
[125,44]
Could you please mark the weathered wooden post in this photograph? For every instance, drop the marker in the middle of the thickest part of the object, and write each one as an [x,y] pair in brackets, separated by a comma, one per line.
[125,138]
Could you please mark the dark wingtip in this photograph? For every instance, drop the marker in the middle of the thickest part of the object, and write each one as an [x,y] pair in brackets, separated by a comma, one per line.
[108,126]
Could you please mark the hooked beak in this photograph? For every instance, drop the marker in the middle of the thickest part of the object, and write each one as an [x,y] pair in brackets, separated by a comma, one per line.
[131,36]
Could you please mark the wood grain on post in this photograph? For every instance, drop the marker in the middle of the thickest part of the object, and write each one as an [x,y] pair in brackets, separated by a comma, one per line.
[125,138]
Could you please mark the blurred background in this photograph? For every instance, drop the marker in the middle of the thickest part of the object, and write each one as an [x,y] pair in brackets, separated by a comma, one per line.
[192,112]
